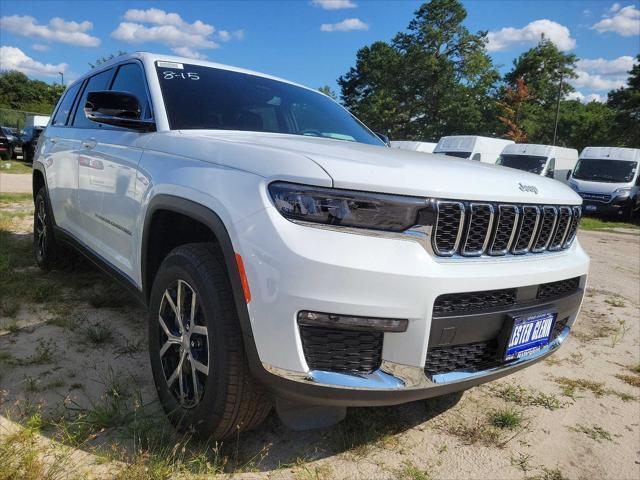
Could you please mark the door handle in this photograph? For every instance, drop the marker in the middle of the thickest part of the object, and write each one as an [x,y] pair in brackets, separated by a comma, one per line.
[89,144]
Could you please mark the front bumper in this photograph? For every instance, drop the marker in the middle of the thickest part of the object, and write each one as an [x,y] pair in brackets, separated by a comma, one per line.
[617,206]
[291,268]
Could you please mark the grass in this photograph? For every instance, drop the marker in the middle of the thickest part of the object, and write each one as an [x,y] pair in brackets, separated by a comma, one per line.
[522,461]
[594,432]
[615,301]
[410,472]
[7,198]
[506,418]
[525,397]
[44,353]
[633,380]
[570,387]
[592,223]
[14,166]
[98,334]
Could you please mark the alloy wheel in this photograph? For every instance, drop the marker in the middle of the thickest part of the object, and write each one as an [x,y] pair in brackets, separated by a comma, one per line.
[184,343]
[41,229]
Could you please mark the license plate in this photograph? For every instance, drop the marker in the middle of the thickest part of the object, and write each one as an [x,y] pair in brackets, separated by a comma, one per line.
[590,208]
[529,333]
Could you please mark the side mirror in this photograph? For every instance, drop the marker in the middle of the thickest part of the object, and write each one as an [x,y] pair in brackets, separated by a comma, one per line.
[121,109]
[384,138]
[568,174]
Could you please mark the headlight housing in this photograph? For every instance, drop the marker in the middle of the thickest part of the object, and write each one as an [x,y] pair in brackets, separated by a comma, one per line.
[621,192]
[349,208]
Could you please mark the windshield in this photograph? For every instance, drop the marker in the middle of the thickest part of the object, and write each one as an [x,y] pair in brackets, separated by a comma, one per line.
[457,154]
[599,170]
[198,97]
[527,163]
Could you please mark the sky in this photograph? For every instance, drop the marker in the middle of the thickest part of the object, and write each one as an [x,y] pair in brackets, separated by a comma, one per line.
[311,42]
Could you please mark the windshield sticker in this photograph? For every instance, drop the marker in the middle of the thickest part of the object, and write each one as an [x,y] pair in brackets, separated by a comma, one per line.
[179,66]
[169,75]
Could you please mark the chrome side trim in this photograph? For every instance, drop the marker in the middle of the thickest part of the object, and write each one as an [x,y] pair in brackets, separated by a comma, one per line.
[393,376]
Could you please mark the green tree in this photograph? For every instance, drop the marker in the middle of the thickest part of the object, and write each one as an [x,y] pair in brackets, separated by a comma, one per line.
[434,79]
[328,91]
[542,68]
[18,92]
[626,102]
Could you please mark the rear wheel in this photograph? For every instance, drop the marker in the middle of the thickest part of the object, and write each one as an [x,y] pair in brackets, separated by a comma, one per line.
[196,348]
[45,248]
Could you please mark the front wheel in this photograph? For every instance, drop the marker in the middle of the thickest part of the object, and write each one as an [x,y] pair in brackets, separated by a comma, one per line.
[196,347]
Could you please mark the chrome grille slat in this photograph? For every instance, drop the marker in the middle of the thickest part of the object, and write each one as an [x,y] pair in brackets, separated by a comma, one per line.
[505,230]
[473,229]
[478,229]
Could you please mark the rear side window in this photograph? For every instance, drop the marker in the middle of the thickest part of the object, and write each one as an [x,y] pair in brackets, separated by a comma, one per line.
[130,78]
[96,83]
[65,105]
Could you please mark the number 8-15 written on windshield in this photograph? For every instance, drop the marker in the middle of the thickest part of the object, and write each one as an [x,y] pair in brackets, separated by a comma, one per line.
[169,75]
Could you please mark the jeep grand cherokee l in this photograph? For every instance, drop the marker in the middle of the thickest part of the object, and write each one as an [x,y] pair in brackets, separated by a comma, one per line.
[287,256]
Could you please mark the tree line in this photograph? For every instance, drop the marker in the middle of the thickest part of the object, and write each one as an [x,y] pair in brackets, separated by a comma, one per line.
[436,79]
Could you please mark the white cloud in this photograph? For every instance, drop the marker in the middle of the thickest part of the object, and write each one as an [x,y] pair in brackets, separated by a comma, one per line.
[617,66]
[581,97]
[38,47]
[623,21]
[225,35]
[189,53]
[346,25]
[601,74]
[12,58]
[57,30]
[170,29]
[615,7]
[530,35]
[333,4]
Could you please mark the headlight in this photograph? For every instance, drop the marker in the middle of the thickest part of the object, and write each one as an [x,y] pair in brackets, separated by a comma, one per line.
[622,192]
[348,208]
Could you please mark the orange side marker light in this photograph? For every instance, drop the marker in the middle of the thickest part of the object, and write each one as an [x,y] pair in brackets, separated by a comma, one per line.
[243,278]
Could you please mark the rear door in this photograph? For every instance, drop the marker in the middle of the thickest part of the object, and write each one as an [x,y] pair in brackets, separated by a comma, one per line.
[108,162]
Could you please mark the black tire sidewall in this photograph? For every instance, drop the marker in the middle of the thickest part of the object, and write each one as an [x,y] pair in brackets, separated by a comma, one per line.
[48,257]
[205,416]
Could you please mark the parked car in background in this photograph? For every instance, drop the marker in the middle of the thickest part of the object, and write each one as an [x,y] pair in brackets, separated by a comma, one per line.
[30,136]
[607,179]
[287,257]
[546,160]
[9,142]
[426,147]
[472,147]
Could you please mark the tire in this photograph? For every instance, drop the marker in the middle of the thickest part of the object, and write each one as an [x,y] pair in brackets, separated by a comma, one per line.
[14,154]
[45,248]
[227,400]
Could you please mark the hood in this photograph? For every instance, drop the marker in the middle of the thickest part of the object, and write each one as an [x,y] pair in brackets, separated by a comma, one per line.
[599,187]
[381,169]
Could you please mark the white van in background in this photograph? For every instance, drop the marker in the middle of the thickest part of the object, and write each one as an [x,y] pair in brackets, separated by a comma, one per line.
[607,180]
[426,147]
[473,147]
[546,160]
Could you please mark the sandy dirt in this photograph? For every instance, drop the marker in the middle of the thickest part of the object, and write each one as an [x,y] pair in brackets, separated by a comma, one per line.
[578,412]
[15,183]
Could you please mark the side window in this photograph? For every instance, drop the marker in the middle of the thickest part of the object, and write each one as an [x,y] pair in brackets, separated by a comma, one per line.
[130,78]
[477,157]
[65,105]
[96,83]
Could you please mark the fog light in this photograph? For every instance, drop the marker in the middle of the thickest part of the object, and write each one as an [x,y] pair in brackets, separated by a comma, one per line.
[347,322]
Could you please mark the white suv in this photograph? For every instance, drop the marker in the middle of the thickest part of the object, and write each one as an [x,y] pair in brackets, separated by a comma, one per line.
[287,256]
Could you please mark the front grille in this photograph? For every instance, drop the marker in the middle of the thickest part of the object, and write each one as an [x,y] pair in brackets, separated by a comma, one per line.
[469,301]
[472,357]
[561,288]
[342,351]
[598,197]
[473,229]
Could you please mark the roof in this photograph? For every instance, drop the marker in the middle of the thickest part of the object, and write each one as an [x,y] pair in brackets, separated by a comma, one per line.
[466,143]
[611,153]
[538,150]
